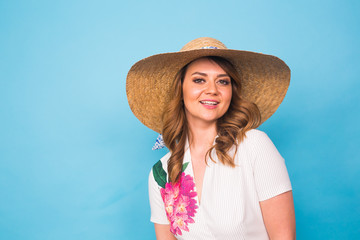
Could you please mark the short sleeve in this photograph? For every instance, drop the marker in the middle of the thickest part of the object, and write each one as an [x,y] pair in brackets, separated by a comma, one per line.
[158,214]
[270,173]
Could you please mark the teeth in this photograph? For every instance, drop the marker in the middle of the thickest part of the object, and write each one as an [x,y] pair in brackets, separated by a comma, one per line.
[209,102]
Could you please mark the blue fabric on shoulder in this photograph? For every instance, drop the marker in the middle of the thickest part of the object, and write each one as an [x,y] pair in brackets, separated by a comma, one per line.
[159,144]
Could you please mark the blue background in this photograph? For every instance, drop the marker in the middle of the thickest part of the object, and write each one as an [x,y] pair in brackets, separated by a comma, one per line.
[74,161]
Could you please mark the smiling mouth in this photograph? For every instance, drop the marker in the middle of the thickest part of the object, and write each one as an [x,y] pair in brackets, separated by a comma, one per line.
[209,102]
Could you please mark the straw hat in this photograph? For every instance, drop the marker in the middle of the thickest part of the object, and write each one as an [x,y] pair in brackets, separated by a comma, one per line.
[265,79]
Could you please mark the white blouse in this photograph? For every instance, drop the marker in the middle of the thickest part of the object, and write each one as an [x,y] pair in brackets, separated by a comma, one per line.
[230,197]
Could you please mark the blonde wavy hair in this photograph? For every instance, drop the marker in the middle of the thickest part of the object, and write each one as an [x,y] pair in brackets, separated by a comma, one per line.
[241,116]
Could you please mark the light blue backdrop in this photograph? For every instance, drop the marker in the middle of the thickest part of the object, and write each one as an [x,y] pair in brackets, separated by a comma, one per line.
[74,161]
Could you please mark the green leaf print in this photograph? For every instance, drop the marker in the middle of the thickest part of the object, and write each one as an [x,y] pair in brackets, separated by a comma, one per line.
[184,166]
[159,174]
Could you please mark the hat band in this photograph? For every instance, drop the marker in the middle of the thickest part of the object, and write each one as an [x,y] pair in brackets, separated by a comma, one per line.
[209,47]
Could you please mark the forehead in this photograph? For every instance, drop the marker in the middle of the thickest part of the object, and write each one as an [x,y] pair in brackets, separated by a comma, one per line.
[204,65]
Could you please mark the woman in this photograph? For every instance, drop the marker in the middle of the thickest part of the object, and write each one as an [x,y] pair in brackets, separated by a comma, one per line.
[222,179]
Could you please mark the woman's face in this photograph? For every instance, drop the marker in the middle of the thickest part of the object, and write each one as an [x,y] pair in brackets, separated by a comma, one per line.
[207,92]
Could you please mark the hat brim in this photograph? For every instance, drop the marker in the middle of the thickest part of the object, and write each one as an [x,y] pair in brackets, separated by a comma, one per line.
[265,80]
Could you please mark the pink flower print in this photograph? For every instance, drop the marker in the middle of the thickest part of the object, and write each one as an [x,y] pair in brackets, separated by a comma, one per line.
[187,183]
[180,203]
[171,190]
[169,210]
[180,223]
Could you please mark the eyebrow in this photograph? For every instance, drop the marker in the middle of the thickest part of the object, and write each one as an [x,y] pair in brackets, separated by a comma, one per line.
[204,74]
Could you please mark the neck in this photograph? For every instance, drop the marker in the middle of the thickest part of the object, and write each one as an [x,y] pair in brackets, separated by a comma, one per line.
[201,136]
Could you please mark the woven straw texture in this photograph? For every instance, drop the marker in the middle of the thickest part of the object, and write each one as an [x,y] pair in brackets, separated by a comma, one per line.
[265,79]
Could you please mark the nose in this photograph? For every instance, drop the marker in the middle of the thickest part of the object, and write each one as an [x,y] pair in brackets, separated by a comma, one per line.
[212,88]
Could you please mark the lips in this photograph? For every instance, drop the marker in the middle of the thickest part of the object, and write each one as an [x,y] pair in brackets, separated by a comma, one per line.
[209,102]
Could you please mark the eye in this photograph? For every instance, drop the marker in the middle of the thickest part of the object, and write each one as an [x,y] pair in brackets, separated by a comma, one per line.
[198,80]
[224,82]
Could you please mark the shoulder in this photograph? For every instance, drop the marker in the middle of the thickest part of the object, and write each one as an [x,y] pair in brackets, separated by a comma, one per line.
[255,133]
[158,172]
[255,136]
[258,145]
[162,162]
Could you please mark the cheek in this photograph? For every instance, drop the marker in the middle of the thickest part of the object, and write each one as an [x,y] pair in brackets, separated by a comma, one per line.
[227,95]
[191,94]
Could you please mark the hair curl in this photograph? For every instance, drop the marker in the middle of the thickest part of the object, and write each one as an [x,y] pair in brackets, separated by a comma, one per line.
[241,116]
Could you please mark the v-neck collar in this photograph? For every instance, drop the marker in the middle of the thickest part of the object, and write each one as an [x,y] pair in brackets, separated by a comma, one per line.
[187,159]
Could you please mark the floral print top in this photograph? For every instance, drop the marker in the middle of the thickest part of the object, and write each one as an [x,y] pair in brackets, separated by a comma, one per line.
[229,208]
[179,198]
